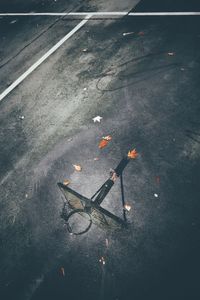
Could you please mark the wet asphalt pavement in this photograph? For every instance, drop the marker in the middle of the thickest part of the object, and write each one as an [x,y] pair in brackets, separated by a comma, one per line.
[145,85]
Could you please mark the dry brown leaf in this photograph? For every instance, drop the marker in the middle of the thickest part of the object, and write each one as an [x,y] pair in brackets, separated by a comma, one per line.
[77,168]
[132,154]
[66,182]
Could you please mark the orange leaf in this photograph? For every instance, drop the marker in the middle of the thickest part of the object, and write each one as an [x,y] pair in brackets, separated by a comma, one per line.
[103,143]
[132,154]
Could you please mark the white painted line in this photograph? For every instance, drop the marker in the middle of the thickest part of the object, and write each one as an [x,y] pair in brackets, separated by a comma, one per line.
[99,13]
[154,14]
[66,14]
[42,59]
[118,13]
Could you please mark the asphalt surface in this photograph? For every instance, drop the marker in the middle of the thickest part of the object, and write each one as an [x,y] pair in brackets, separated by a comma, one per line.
[145,85]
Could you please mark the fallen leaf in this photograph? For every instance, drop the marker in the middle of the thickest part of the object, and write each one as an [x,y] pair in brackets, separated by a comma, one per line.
[107,138]
[128,33]
[141,33]
[132,154]
[103,143]
[77,168]
[62,271]
[171,53]
[102,260]
[66,182]
[158,179]
[13,22]
[97,119]
[127,207]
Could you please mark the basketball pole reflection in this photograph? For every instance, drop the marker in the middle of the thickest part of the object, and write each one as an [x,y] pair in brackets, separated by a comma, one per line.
[90,210]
